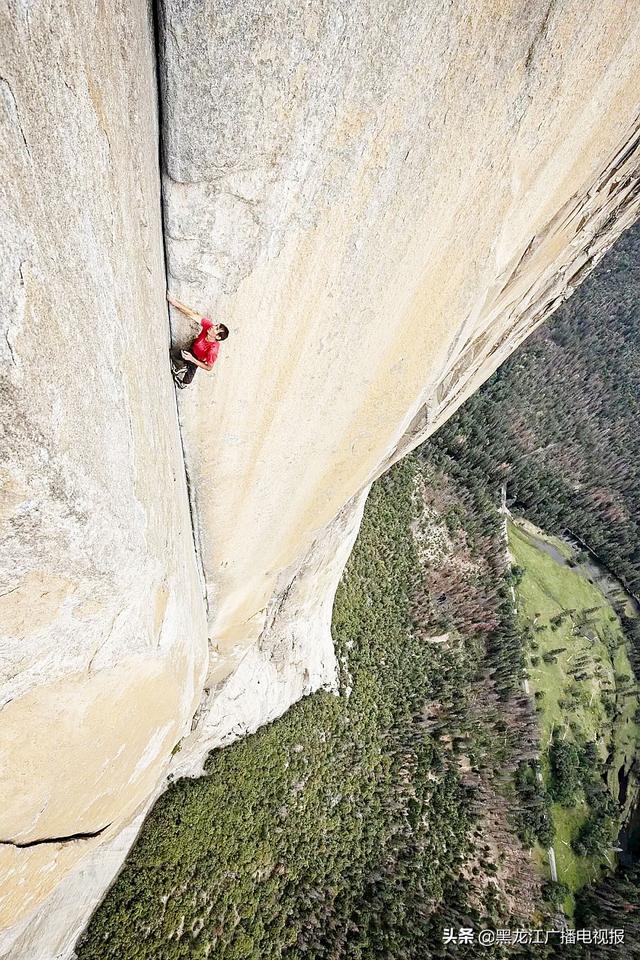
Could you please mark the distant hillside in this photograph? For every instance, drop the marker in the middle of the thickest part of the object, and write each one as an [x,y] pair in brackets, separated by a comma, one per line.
[559,422]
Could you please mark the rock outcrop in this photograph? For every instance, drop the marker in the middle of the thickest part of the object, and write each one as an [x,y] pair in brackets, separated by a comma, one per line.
[381,200]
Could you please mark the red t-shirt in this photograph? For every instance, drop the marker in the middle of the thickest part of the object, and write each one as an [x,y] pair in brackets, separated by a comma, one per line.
[205,350]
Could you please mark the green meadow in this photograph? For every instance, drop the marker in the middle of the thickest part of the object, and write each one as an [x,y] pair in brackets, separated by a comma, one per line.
[583,683]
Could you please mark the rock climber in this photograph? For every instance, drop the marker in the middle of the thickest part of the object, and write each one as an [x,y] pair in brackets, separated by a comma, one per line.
[203,352]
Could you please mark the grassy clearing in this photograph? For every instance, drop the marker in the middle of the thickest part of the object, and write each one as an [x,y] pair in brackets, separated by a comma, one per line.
[579,668]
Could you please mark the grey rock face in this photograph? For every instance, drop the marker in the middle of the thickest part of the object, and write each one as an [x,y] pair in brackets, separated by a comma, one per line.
[102,629]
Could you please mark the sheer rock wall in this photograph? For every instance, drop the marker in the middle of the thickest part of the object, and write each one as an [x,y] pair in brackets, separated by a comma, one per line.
[102,629]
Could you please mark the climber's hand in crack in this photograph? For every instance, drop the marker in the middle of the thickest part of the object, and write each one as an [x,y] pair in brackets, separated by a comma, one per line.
[197,318]
[204,349]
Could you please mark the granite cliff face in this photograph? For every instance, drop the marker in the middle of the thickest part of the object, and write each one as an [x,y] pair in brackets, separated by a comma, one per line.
[381,200]
[102,629]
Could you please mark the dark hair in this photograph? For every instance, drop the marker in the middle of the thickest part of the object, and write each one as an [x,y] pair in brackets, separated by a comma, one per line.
[223,332]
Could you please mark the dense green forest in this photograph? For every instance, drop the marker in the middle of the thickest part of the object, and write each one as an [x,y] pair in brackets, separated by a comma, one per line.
[613,903]
[358,825]
[362,825]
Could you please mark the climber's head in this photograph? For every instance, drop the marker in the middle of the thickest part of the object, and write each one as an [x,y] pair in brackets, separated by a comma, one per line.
[217,332]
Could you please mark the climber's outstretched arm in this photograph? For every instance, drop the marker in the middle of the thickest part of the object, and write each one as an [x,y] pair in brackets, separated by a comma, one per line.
[188,312]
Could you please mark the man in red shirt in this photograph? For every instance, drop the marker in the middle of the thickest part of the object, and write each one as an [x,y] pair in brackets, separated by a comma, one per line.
[204,349]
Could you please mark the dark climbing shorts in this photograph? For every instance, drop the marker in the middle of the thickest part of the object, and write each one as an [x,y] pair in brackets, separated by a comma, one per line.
[189,373]
[183,371]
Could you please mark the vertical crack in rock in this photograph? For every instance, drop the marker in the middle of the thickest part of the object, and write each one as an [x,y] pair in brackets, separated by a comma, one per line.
[157,22]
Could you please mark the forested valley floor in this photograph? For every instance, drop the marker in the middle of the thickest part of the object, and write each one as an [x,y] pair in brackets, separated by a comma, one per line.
[423,797]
